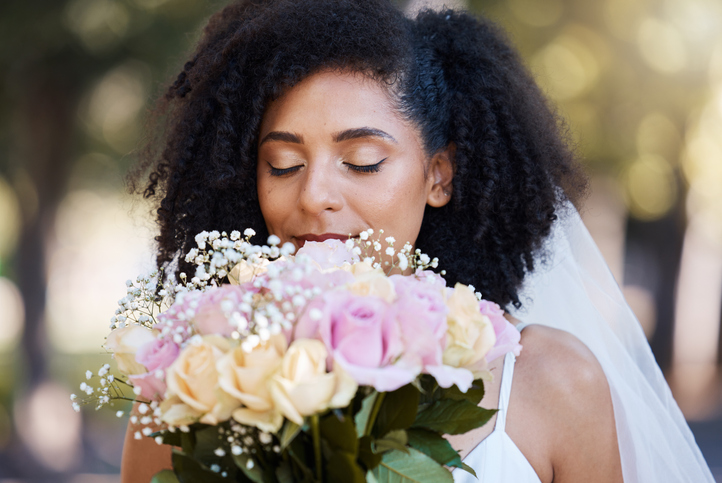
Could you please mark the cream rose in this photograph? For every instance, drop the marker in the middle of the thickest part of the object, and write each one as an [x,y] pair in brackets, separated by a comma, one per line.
[245,272]
[193,378]
[177,413]
[302,387]
[125,342]
[470,335]
[371,282]
[245,375]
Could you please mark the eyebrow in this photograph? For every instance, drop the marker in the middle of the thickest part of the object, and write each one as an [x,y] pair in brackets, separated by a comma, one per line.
[283,136]
[356,133]
[362,132]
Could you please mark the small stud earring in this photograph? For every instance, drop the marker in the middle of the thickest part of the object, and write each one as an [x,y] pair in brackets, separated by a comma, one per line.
[446,193]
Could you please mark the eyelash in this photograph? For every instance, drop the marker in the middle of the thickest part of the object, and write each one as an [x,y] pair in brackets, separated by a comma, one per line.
[373,168]
[281,172]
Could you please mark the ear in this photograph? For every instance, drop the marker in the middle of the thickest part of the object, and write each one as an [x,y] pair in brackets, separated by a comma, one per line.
[441,175]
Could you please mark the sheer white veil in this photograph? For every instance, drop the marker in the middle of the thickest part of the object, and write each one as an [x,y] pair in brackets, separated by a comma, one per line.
[572,289]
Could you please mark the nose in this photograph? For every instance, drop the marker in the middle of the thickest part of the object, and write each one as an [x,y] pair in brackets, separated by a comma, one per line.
[320,191]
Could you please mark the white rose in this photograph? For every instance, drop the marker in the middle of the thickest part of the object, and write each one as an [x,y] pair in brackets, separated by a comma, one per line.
[470,334]
[125,342]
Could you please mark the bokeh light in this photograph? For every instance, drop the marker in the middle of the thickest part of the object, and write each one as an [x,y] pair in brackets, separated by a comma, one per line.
[9,218]
[662,46]
[49,426]
[12,314]
[97,247]
[536,13]
[567,67]
[99,24]
[651,187]
[113,108]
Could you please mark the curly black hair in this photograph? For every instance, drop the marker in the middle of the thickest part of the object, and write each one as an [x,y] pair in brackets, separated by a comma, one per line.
[453,75]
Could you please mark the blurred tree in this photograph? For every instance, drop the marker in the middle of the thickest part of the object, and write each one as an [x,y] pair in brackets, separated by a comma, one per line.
[628,76]
[75,77]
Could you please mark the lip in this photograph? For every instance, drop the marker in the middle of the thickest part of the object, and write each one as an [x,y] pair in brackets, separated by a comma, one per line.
[302,239]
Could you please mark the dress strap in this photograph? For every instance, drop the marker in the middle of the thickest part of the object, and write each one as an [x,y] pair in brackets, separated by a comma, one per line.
[522,325]
[505,390]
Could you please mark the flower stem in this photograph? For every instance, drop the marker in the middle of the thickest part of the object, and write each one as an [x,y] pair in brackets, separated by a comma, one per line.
[316,433]
[374,413]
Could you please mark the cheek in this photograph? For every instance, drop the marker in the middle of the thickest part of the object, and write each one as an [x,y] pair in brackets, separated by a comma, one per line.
[397,205]
[273,201]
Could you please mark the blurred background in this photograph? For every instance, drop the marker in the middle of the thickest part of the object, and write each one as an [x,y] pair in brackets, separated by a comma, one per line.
[639,83]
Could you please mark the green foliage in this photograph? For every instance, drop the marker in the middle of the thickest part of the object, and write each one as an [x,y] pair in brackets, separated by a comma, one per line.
[397,411]
[362,416]
[411,467]
[173,439]
[250,470]
[189,470]
[394,440]
[165,476]
[366,455]
[435,446]
[289,431]
[474,395]
[453,417]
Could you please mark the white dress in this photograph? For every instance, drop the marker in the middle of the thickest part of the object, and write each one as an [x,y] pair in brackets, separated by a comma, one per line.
[497,459]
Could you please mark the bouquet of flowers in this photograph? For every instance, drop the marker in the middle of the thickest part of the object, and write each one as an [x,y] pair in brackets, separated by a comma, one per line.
[346,362]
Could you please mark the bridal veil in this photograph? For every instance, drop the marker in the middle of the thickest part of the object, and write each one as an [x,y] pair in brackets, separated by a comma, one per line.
[572,289]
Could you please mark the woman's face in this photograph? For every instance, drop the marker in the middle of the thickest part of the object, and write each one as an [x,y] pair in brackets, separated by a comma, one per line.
[335,158]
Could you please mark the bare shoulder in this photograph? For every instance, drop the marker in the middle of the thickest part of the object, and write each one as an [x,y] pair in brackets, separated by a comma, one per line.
[560,363]
[560,390]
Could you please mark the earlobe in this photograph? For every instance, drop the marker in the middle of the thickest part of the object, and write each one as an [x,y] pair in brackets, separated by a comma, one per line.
[442,175]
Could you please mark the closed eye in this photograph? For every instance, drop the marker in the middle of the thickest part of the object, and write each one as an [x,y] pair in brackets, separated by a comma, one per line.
[283,171]
[371,168]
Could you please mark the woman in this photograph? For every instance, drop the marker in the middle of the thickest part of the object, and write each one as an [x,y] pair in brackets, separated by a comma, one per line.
[313,119]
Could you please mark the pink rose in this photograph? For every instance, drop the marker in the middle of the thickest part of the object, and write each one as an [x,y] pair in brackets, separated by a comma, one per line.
[214,309]
[507,337]
[422,315]
[155,356]
[178,314]
[363,335]
[151,386]
[328,254]
[431,277]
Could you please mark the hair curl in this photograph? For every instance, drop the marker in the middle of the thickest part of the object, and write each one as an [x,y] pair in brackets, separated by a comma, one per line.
[453,75]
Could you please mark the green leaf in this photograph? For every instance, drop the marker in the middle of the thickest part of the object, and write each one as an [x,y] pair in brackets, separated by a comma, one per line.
[207,440]
[362,417]
[429,389]
[340,434]
[398,410]
[297,452]
[370,478]
[474,395]
[435,446]
[453,417]
[414,467]
[342,466]
[468,469]
[284,473]
[173,439]
[289,432]
[189,470]
[165,476]
[254,473]
[396,439]
[366,455]
[188,442]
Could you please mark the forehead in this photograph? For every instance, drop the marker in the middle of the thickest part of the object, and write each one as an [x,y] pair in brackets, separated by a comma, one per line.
[332,100]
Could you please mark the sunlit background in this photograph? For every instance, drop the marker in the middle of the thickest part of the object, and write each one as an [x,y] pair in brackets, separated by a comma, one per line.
[639,83]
